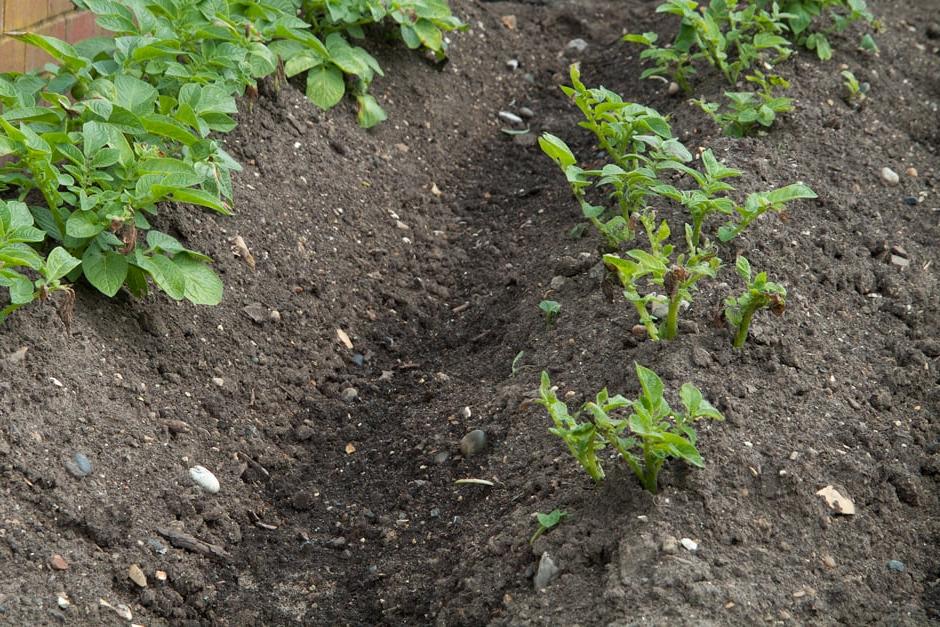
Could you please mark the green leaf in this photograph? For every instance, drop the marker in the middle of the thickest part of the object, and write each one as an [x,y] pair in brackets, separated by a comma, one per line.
[203,286]
[796,191]
[105,270]
[325,86]
[557,150]
[82,224]
[743,267]
[651,383]
[166,274]
[370,113]
[58,263]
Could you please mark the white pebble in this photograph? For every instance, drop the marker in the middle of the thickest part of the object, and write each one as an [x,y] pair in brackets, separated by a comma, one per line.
[204,479]
[689,544]
[889,176]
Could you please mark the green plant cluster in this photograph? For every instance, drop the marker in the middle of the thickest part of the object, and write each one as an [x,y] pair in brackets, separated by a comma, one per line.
[94,143]
[736,38]
[652,433]
[659,276]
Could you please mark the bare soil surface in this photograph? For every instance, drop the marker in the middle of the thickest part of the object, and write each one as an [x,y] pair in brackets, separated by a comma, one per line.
[405,266]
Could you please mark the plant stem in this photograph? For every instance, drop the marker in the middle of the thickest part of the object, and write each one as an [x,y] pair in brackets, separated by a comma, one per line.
[696,232]
[671,328]
[743,327]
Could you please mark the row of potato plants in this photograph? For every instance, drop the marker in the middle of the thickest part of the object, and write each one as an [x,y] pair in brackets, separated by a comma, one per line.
[737,39]
[648,168]
[94,143]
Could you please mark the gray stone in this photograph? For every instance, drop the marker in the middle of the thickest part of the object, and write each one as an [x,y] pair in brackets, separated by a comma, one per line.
[473,443]
[558,282]
[350,394]
[889,176]
[547,571]
[511,118]
[80,466]
[670,545]
[526,112]
[575,47]
[896,565]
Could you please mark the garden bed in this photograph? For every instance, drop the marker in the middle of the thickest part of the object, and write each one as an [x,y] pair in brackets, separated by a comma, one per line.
[405,266]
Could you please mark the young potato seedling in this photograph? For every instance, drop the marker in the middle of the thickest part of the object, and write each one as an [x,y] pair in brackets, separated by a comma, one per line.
[547,522]
[550,309]
[750,110]
[760,294]
[855,93]
[651,434]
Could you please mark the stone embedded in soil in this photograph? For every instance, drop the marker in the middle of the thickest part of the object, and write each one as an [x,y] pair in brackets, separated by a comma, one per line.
[558,282]
[933,30]
[547,571]
[512,64]
[511,118]
[135,574]
[899,261]
[257,313]
[570,266]
[673,88]
[912,172]
[156,546]
[473,443]
[575,47]
[350,394]
[526,112]
[910,200]
[79,466]
[466,413]
[58,562]
[689,544]
[837,502]
[701,357]
[889,176]
[896,565]
[204,478]
[670,545]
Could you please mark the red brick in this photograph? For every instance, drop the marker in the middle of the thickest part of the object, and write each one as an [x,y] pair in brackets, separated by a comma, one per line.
[58,7]
[22,14]
[12,55]
[80,26]
[35,57]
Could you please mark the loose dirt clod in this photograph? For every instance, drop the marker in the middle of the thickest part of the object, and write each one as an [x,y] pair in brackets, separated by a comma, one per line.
[836,501]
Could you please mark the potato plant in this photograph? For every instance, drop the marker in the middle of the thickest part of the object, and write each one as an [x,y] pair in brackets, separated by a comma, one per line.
[748,111]
[98,140]
[644,439]
[759,294]
[642,152]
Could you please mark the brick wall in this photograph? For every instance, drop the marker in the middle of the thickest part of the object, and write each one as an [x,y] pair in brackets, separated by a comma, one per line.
[57,18]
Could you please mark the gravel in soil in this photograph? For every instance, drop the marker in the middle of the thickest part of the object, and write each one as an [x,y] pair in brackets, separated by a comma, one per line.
[379,288]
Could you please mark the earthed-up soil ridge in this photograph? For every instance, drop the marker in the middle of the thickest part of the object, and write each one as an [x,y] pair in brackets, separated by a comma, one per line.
[429,243]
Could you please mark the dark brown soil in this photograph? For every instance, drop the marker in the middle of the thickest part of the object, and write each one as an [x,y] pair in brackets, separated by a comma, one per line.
[430,242]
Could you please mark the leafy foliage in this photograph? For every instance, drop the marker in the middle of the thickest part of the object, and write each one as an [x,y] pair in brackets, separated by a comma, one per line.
[642,154]
[734,37]
[652,433]
[547,522]
[120,124]
[760,294]
[550,309]
[750,110]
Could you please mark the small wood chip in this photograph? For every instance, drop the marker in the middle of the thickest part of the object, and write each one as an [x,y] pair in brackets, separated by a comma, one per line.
[185,541]
[344,338]
[135,574]
[474,482]
[837,502]
[240,248]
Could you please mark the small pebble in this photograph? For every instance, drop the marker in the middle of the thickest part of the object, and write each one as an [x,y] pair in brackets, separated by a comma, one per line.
[896,565]
[80,466]
[912,172]
[673,89]
[689,544]
[546,572]
[58,562]
[358,359]
[473,443]
[63,601]
[204,478]
[135,574]
[512,64]
[910,200]
[465,413]
[575,47]
[219,381]
[156,546]
[441,457]
[350,394]
[526,112]
[558,282]
[510,118]
[889,176]
[670,545]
